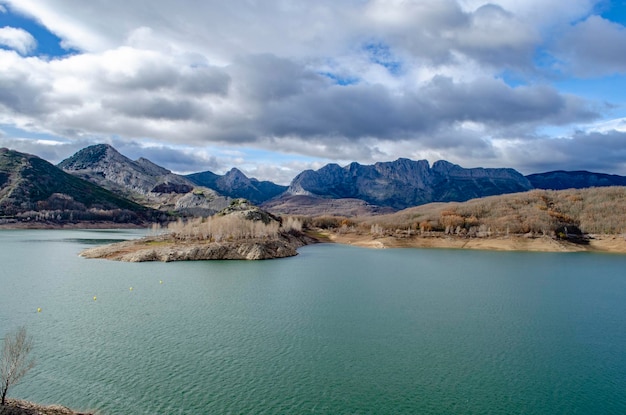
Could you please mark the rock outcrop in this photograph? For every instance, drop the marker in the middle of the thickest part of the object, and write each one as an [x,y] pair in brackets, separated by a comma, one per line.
[240,231]
[163,248]
[404,183]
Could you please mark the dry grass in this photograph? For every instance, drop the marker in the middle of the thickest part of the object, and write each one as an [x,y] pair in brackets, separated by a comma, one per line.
[219,228]
[541,212]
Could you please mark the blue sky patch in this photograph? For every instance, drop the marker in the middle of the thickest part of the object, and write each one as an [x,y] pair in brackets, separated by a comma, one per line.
[48,44]
[615,11]
[381,54]
[340,80]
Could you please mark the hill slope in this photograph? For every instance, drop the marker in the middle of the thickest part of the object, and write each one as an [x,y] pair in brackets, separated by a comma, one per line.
[541,212]
[32,187]
[142,181]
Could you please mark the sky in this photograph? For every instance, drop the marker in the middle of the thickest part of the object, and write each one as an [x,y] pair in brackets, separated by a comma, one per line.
[275,87]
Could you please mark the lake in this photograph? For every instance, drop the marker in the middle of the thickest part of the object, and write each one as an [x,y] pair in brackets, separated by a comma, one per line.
[334,330]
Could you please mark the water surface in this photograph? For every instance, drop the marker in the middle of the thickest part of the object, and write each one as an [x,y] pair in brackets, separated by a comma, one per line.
[335,330]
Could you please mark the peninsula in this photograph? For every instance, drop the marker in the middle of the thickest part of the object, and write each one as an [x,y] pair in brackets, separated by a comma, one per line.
[241,231]
[539,220]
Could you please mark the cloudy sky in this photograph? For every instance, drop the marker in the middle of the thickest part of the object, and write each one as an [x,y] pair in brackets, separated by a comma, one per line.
[276,86]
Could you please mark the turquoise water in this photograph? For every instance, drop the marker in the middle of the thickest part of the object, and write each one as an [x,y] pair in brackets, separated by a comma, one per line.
[335,330]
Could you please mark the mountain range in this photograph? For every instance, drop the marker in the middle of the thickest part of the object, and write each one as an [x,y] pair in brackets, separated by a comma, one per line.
[404,183]
[143,182]
[32,189]
[99,176]
[235,184]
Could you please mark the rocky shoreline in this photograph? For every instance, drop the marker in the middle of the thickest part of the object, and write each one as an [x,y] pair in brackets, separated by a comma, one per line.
[164,248]
[21,407]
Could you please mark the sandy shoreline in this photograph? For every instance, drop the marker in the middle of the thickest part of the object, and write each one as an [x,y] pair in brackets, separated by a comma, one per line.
[597,243]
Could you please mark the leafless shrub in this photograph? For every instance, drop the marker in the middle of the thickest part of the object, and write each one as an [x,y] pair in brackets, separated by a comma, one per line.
[538,212]
[14,361]
[221,228]
[292,224]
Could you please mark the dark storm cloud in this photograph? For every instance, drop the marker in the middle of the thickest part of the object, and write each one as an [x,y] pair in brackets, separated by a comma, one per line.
[494,102]
[359,111]
[156,107]
[594,151]
[265,78]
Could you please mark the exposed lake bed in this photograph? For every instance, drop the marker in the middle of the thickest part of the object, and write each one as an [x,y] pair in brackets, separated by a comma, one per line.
[535,243]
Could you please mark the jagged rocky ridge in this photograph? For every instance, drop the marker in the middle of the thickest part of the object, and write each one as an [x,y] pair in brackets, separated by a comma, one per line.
[403,183]
[352,190]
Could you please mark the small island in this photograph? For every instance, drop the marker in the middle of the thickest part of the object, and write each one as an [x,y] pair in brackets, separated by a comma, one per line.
[240,231]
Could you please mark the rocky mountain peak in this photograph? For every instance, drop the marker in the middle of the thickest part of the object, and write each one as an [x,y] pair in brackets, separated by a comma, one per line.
[235,176]
[141,180]
[91,156]
[403,183]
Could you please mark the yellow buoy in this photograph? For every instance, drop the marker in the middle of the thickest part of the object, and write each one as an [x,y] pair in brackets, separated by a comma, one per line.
[95,298]
[39,309]
[131,288]
[160,282]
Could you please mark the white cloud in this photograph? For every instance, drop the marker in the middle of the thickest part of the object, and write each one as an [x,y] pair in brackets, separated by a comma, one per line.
[593,47]
[17,39]
[78,27]
[326,80]
[618,124]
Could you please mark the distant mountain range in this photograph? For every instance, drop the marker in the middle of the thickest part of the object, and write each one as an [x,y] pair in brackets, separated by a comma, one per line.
[235,184]
[561,180]
[404,183]
[100,177]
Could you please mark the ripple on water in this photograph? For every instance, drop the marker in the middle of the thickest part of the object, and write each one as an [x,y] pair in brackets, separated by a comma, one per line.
[332,331]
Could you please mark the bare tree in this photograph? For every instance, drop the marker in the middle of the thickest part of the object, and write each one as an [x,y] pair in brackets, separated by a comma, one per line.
[14,361]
